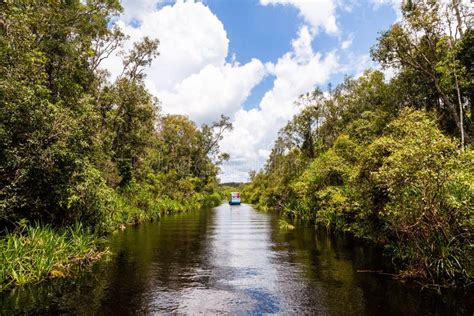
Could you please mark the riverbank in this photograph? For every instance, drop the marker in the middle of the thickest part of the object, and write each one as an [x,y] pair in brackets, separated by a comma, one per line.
[78,146]
[232,260]
[398,253]
[33,252]
[409,189]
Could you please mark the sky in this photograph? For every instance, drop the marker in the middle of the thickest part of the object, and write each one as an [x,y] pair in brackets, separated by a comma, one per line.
[250,60]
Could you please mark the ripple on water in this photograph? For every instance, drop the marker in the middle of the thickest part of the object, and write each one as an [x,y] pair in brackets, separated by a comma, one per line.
[231,260]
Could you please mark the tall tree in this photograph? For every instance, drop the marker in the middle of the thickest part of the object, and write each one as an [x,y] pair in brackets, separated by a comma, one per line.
[423,45]
[135,111]
[48,128]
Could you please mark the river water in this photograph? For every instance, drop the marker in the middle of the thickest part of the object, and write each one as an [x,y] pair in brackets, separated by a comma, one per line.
[232,259]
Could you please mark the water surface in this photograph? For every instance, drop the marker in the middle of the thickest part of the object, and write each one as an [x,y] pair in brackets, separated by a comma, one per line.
[232,259]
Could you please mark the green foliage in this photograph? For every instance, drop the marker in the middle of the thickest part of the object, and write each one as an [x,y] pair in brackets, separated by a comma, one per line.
[34,252]
[409,188]
[284,225]
[78,148]
[133,128]
[49,123]
[73,145]
[426,47]
[421,178]
[381,170]
[322,189]
[372,156]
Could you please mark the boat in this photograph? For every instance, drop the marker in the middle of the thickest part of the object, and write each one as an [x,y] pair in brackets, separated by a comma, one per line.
[234,198]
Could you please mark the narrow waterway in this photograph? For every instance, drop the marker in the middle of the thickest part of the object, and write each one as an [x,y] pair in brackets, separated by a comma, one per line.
[231,259]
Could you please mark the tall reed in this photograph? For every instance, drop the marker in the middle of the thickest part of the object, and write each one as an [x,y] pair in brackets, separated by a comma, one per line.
[33,253]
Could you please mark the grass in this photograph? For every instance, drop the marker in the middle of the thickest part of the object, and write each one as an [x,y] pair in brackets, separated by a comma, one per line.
[34,253]
[284,225]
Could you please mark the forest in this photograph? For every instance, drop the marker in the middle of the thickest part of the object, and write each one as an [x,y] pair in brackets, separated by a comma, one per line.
[82,154]
[390,159]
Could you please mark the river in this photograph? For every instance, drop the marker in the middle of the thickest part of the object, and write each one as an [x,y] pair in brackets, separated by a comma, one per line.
[232,259]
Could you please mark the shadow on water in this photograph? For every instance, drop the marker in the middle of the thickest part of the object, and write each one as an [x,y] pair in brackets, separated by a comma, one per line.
[232,260]
[337,278]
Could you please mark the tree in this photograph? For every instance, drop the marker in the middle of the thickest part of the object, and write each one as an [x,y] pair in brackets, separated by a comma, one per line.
[301,130]
[427,196]
[49,124]
[134,111]
[133,124]
[420,45]
[212,135]
[138,58]
[180,145]
[76,147]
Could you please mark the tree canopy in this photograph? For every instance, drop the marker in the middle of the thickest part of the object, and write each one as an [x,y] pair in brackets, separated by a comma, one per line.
[75,144]
[389,159]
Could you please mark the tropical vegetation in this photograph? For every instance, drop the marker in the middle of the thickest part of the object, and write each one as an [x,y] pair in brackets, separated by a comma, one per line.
[81,153]
[390,159]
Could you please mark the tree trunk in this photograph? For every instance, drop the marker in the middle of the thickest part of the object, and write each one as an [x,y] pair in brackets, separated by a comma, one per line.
[458,17]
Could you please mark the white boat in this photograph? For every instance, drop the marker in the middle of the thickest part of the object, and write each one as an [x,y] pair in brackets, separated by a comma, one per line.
[234,198]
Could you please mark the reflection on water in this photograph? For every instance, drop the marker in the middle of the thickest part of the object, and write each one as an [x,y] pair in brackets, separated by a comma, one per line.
[231,260]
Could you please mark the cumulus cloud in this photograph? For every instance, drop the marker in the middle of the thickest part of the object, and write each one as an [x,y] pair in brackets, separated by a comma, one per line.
[356,64]
[347,42]
[394,3]
[255,130]
[214,90]
[191,37]
[135,9]
[191,75]
[317,13]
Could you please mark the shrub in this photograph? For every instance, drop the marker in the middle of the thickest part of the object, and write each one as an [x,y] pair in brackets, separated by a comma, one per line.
[427,197]
[32,253]
[321,190]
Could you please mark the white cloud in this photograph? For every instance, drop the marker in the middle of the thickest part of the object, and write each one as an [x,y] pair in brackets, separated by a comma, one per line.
[317,13]
[214,90]
[191,37]
[255,130]
[347,42]
[191,75]
[134,9]
[394,3]
[389,73]
[356,64]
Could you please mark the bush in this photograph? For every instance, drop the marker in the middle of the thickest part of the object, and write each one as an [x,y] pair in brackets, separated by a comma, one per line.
[411,189]
[424,196]
[33,253]
[322,189]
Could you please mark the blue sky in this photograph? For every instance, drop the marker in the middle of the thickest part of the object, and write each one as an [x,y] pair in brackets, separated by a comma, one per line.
[250,59]
[256,31]
[265,32]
